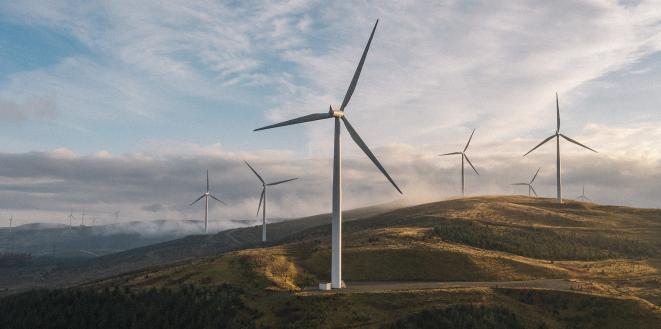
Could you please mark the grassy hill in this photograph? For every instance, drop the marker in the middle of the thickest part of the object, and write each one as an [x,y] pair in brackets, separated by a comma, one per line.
[65,273]
[609,257]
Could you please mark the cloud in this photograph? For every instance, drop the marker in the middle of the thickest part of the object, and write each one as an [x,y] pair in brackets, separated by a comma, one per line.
[154,207]
[163,92]
[435,69]
[37,186]
[31,109]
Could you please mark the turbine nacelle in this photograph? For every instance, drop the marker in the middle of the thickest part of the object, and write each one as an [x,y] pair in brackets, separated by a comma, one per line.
[334,112]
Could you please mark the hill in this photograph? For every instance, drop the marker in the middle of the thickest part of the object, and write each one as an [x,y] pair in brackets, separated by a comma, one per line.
[60,272]
[573,265]
[63,241]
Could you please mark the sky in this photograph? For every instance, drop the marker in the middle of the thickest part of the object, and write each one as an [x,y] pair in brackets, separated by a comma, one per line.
[110,106]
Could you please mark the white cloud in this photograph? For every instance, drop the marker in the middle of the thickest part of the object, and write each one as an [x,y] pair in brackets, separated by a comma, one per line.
[31,109]
[156,186]
[435,71]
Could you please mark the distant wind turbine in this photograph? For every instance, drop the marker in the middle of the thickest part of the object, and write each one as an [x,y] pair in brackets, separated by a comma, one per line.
[206,197]
[557,136]
[262,198]
[339,116]
[583,197]
[11,223]
[530,187]
[464,156]
[82,219]
[71,218]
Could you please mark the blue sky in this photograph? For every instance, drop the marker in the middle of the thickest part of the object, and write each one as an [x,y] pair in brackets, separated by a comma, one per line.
[134,85]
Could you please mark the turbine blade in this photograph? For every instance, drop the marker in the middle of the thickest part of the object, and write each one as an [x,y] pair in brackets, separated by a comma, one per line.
[533,177]
[356,138]
[253,170]
[557,107]
[207,180]
[533,190]
[196,200]
[213,197]
[469,140]
[356,74]
[453,153]
[282,181]
[577,143]
[305,118]
[540,144]
[522,184]
[469,162]
[261,198]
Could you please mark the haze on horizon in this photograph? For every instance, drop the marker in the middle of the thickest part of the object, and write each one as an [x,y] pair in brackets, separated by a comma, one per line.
[118,106]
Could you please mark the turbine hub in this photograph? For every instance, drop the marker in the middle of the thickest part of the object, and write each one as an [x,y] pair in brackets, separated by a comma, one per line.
[335,113]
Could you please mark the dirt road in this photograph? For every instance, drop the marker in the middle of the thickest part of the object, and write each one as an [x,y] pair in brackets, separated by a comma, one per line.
[363,286]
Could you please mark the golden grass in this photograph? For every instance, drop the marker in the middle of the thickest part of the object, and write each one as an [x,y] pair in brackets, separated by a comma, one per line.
[398,246]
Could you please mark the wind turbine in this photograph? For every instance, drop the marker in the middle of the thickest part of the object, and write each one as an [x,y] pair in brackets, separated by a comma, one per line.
[464,156]
[11,223]
[530,187]
[82,219]
[71,218]
[557,136]
[582,197]
[263,197]
[206,197]
[339,115]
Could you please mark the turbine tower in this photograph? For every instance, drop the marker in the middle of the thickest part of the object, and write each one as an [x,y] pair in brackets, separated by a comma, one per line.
[206,197]
[262,198]
[530,187]
[464,156]
[11,223]
[338,114]
[583,197]
[557,136]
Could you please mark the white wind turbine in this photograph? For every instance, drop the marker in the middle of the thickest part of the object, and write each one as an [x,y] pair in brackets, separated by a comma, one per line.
[583,197]
[530,187]
[11,223]
[206,197]
[339,115]
[464,156]
[71,218]
[262,198]
[557,136]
